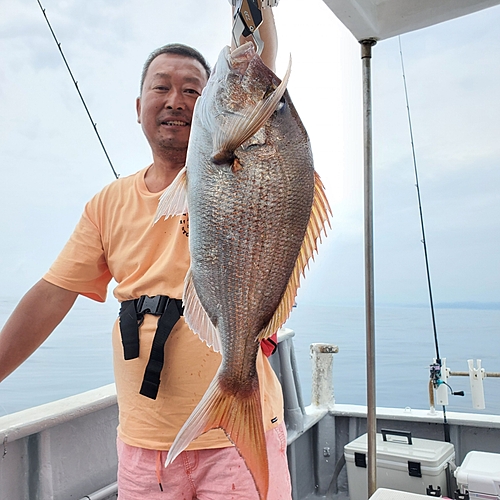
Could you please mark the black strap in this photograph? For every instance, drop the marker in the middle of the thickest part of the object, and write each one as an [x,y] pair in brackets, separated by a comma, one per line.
[129,328]
[168,319]
[131,317]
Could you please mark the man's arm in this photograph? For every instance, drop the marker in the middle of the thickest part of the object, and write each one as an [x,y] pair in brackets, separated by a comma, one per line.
[269,36]
[33,320]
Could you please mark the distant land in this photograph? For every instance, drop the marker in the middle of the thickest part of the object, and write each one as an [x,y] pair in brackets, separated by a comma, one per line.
[484,306]
[469,305]
[458,305]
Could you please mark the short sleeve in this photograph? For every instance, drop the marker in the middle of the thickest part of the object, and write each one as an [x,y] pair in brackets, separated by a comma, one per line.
[81,266]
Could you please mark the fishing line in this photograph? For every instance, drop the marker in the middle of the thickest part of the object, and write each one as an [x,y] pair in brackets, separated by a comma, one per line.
[428,273]
[94,124]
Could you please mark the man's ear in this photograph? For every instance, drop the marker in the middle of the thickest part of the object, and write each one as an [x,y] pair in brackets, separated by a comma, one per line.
[138,109]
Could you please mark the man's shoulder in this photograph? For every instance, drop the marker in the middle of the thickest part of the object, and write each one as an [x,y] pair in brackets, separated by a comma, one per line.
[127,181]
[120,185]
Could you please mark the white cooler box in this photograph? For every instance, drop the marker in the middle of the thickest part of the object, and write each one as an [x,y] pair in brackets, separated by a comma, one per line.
[479,474]
[403,463]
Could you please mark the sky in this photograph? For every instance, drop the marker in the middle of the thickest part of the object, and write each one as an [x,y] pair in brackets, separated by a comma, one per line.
[51,162]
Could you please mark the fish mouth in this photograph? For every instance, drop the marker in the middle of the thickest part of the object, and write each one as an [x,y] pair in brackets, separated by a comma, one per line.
[239,58]
[246,51]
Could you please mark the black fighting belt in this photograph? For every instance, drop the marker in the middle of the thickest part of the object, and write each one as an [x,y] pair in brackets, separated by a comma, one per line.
[131,317]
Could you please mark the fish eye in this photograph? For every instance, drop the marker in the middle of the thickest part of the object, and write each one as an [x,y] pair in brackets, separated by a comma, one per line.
[281,104]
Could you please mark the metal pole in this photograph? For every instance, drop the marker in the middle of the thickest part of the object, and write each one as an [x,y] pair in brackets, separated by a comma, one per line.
[366,54]
[103,493]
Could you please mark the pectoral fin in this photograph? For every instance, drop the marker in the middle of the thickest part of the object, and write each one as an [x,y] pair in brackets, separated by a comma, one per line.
[174,199]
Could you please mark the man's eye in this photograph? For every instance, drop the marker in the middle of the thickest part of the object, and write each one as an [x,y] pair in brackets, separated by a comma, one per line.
[161,87]
[192,91]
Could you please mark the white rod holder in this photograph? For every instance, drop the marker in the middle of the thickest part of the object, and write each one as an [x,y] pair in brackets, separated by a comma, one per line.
[476,376]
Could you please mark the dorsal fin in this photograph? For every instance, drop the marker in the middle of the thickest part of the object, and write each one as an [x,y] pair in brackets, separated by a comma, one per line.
[320,212]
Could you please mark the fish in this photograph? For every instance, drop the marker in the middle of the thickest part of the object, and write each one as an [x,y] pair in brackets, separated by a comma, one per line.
[257,210]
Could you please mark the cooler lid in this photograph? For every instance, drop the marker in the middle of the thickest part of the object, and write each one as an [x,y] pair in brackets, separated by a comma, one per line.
[388,494]
[428,452]
[480,472]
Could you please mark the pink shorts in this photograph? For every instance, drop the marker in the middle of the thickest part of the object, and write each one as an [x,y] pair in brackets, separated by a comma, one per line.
[201,474]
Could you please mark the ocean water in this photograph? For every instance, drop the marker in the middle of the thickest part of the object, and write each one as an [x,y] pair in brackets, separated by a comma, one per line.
[77,356]
[404,348]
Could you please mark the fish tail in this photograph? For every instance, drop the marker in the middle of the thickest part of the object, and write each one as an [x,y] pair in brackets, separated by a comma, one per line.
[240,416]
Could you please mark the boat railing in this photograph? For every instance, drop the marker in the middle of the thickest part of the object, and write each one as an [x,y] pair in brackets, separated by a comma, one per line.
[60,450]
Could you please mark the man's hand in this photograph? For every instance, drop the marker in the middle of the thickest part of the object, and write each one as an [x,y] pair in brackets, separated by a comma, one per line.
[33,320]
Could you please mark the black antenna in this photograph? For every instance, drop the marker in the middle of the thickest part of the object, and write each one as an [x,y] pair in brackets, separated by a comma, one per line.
[436,343]
[77,89]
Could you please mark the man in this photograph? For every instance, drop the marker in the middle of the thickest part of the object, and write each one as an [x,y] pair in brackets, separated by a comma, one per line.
[159,382]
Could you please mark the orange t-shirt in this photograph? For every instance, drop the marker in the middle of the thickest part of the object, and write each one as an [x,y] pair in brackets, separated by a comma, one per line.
[115,238]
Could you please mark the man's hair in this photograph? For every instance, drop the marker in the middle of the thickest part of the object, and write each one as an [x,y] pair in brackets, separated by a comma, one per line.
[177,49]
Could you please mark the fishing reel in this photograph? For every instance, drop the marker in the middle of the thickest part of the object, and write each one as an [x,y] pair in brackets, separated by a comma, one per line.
[439,375]
[435,373]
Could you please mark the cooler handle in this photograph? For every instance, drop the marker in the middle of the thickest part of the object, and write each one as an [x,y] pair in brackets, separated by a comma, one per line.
[406,434]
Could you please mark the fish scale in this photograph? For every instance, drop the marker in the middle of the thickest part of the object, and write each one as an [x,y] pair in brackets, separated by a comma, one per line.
[235,218]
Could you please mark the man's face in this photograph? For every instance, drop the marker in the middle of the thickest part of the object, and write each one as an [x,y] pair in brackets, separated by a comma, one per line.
[165,108]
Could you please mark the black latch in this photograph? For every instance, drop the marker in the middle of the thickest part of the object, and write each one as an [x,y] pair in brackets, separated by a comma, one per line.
[414,469]
[433,492]
[360,459]
[458,495]
[152,305]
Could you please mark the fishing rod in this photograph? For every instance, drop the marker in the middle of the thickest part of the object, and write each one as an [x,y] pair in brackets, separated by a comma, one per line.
[94,124]
[435,368]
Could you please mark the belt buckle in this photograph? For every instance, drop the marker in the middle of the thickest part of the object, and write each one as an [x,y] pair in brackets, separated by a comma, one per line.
[152,305]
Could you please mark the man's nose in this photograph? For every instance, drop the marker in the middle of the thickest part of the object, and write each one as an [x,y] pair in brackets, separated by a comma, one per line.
[175,100]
